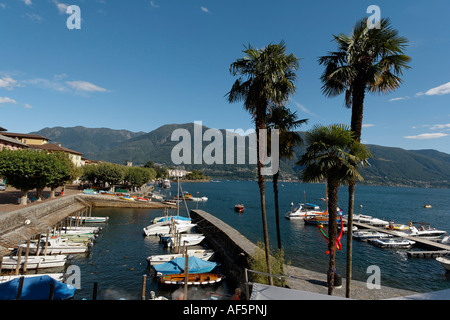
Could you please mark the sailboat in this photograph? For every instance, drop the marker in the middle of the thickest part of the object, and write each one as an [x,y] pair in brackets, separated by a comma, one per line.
[305,210]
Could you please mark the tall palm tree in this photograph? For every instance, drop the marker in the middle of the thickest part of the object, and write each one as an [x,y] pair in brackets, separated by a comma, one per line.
[265,80]
[369,60]
[332,154]
[285,121]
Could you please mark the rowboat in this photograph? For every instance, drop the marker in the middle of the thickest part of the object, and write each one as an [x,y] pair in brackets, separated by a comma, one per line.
[126,198]
[57,276]
[193,279]
[80,230]
[34,262]
[158,259]
[90,219]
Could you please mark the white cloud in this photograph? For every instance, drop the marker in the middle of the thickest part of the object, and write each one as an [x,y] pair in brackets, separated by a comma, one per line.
[426,136]
[62,7]
[399,98]
[27,106]
[304,109]
[368,125]
[439,126]
[438,91]
[7,100]
[34,17]
[204,9]
[27,2]
[8,83]
[153,4]
[85,86]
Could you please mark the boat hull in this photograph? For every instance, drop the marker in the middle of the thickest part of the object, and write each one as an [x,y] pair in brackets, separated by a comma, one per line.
[193,279]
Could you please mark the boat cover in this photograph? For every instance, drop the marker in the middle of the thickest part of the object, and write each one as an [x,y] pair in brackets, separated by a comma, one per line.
[174,218]
[36,288]
[195,265]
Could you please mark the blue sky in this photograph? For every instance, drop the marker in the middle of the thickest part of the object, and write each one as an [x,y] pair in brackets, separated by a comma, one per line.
[141,64]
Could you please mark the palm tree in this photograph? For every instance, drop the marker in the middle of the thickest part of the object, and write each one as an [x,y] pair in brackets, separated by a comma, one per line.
[369,60]
[266,80]
[332,154]
[285,121]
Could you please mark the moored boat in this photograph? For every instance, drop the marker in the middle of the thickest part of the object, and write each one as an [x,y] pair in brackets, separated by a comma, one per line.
[193,279]
[204,254]
[399,243]
[444,261]
[177,265]
[370,234]
[34,262]
[189,239]
[239,208]
[302,210]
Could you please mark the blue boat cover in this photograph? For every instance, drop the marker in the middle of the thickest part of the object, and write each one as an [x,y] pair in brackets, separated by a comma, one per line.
[195,265]
[174,218]
[36,288]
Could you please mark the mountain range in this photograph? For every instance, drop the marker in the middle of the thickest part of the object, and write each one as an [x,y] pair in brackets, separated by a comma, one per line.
[389,166]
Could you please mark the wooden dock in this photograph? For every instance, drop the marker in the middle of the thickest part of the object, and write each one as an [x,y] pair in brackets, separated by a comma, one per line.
[436,249]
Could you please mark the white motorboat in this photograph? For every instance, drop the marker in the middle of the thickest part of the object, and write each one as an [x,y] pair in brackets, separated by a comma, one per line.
[165,184]
[430,234]
[57,246]
[444,261]
[446,240]
[392,243]
[189,239]
[378,222]
[166,227]
[301,211]
[80,230]
[34,262]
[370,234]
[201,254]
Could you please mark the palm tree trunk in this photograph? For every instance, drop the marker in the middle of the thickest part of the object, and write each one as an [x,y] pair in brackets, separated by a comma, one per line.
[260,124]
[356,127]
[277,209]
[332,232]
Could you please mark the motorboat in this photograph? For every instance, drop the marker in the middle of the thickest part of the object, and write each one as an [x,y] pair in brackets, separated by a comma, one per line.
[392,243]
[57,276]
[444,261]
[204,254]
[302,210]
[195,279]
[239,208]
[378,222]
[165,184]
[177,265]
[34,262]
[177,218]
[166,227]
[370,234]
[397,226]
[446,240]
[188,239]
[422,232]
[80,230]
[198,199]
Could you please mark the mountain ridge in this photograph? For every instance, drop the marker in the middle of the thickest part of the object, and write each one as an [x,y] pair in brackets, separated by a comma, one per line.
[391,166]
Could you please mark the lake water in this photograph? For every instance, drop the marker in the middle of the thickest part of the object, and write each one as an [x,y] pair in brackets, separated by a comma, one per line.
[117,261]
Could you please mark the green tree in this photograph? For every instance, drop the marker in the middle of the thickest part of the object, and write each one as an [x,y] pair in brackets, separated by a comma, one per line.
[285,121]
[138,176]
[265,80]
[109,173]
[332,154]
[369,60]
[32,169]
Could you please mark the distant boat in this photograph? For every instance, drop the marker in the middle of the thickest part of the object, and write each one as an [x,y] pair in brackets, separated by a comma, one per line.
[165,184]
[239,208]
[444,261]
[301,211]
[427,206]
